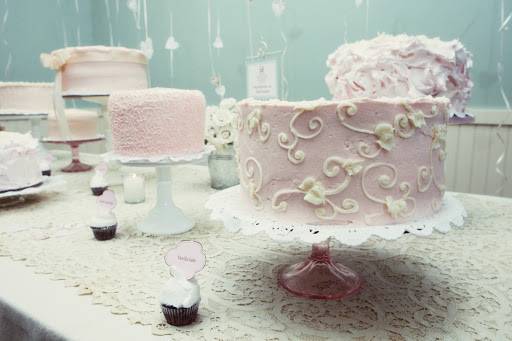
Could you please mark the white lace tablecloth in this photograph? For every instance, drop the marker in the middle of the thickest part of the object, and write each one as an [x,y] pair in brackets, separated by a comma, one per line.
[449,286]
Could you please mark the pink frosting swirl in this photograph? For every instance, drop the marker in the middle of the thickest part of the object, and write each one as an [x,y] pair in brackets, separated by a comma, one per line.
[401,66]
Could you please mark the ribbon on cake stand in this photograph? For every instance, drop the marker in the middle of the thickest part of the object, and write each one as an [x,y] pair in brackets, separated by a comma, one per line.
[319,276]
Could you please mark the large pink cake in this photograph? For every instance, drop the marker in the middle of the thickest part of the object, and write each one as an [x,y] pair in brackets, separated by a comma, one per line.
[404,66]
[364,161]
[26,98]
[98,70]
[157,121]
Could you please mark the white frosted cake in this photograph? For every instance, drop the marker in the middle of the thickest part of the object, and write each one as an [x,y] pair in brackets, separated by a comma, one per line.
[364,161]
[157,121]
[82,124]
[401,66]
[26,98]
[98,70]
[19,162]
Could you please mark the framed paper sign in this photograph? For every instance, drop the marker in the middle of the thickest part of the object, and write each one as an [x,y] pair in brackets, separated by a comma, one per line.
[263,76]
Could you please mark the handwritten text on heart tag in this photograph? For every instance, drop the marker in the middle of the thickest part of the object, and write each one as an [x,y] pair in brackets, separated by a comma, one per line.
[188,257]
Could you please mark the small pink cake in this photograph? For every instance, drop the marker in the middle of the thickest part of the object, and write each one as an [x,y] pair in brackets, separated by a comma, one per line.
[157,121]
[98,70]
[364,161]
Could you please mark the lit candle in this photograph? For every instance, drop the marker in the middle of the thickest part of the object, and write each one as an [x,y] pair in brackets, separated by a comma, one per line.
[134,189]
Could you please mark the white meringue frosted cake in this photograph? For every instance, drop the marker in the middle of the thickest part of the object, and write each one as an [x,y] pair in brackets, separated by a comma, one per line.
[98,70]
[26,98]
[403,66]
[363,161]
[19,162]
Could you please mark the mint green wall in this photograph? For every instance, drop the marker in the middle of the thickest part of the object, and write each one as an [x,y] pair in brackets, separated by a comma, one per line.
[313,29]
[35,26]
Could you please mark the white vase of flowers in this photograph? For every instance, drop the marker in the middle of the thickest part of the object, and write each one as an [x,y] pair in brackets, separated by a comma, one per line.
[221,133]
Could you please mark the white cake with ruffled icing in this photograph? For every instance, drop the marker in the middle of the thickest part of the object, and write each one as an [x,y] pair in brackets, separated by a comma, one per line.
[19,162]
[401,66]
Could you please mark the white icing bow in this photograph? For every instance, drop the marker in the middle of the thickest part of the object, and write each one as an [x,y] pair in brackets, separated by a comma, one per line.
[385,134]
[314,191]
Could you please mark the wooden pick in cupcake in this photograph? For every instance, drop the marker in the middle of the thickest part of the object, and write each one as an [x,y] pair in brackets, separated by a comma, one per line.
[180,295]
[104,224]
[99,182]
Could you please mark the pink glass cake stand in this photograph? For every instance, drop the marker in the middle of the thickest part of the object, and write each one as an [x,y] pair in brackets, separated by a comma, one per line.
[76,165]
[319,276]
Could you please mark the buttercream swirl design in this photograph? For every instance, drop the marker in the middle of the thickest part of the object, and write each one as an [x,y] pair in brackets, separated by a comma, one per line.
[404,126]
[402,207]
[317,194]
[426,176]
[252,179]
[315,125]
[254,123]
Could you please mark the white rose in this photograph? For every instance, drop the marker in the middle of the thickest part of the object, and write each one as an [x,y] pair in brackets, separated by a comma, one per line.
[314,191]
[352,166]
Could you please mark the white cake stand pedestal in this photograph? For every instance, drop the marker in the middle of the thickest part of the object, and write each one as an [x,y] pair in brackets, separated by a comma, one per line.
[319,276]
[165,218]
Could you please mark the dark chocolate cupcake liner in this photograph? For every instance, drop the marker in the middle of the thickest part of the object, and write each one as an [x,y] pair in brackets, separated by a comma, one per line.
[104,233]
[180,316]
[97,191]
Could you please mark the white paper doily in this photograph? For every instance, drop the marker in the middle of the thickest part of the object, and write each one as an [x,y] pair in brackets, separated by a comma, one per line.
[239,216]
[50,183]
[163,159]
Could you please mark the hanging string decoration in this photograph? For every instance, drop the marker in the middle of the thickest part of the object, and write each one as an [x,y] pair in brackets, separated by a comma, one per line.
[504,22]
[134,7]
[146,45]
[278,7]
[215,79]
[218,44]
[249,27]
[109,19]
[7,68]
[358,4]
[78,37]
[171,45]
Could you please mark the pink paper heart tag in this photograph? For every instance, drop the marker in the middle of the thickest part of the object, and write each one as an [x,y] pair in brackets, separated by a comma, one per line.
[188,257]
[102,168]
[107,200]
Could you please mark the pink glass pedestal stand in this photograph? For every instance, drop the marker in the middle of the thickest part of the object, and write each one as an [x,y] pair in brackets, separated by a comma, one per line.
[319,277]
[76,165]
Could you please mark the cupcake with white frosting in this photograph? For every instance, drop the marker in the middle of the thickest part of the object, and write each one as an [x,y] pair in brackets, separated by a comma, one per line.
[180,299]
[104,225]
